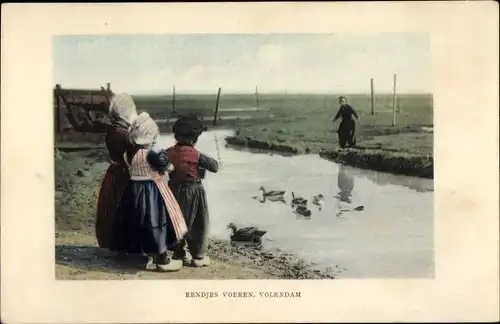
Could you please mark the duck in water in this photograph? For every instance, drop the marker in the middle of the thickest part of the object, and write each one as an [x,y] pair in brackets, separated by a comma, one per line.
[343,210]
[303,211]
[319,201]
[298,201]
[273,195]
[271,199]
[246,234]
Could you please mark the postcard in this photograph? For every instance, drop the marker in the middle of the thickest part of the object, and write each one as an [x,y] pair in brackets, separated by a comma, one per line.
[256,162]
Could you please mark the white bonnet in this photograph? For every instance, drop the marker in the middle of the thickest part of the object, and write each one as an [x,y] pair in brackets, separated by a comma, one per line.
[123,106]
[143,130]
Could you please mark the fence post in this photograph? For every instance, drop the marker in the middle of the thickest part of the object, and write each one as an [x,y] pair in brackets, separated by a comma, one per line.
[58,108]
[394,103]
[257,97]
[106,95]
[372,101]
[217,107]
[173,98]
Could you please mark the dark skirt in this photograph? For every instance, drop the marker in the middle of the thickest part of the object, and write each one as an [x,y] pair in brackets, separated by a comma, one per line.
[192,200]
[347,133]
[110,194]
[142,224]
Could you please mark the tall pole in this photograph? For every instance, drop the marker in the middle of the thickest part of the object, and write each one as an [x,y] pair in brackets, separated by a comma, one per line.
[173,98]
[58,109]
[394,103]
[372,102]
[257,97]
[217,107]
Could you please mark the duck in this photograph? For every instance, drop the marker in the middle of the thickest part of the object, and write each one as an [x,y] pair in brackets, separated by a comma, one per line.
[298,200]
[275,199]
[303,211]
[319,201]
[271,199]
[343,210]
[246,234]
[359,208]
[259,199]
[271,193]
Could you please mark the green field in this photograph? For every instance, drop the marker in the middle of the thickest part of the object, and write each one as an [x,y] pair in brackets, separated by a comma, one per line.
[305,120]
[417,107]
[303,123]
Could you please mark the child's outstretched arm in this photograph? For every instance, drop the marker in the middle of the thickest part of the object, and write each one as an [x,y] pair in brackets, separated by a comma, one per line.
[208,163]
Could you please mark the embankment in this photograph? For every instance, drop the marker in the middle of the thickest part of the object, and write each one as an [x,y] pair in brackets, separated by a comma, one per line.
[404,163]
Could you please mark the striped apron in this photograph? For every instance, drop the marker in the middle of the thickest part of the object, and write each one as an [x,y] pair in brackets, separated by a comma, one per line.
[140,169]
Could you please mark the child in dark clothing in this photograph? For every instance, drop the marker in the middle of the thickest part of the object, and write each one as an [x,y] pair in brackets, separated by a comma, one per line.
[347,127]
[189,167]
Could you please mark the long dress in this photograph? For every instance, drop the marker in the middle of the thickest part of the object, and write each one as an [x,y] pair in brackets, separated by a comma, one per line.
[347,127]
[149,219]
[114,183]
[185,182]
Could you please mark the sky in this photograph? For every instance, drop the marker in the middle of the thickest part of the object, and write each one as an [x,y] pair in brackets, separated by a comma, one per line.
[200,63]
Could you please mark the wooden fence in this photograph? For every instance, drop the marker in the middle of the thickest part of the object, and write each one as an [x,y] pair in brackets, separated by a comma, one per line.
[82,110]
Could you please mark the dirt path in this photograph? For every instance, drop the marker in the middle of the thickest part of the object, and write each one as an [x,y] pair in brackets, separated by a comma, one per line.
[78,257]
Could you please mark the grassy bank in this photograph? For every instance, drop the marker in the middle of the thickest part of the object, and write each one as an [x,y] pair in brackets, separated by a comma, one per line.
[78,175]
[403,161]
[404,149]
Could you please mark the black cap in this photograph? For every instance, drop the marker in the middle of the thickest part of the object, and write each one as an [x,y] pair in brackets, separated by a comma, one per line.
[189,126]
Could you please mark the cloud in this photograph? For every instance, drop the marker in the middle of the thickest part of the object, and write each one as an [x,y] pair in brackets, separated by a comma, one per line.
[279,63]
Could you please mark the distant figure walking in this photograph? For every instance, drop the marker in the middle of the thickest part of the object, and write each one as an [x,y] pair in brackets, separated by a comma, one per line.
[347,128]
[122,112]
[189,169]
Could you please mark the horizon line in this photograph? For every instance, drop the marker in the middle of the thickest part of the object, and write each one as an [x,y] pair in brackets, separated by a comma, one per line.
[278,93]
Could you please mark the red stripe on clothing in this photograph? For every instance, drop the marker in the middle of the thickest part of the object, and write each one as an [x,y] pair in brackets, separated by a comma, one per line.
[171,208]
[177,213]
[174,211]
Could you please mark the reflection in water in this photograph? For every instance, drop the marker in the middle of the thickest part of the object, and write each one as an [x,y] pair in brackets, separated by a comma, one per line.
[389,179]
[345,182]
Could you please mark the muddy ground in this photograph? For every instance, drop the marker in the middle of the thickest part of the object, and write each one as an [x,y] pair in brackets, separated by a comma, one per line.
[78,175]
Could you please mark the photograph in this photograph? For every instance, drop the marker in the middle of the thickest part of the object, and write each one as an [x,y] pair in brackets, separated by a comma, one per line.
[254,162]
[243,156]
